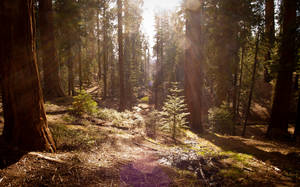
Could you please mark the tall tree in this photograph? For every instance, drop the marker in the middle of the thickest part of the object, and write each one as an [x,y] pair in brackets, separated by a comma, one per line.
[283,89]
[98,41]
[270,35]
[193,64]
[52,86]
[121,59]
[105,17]
[71,89]
[158,62]
[297,126]
[252,83]
[25,123]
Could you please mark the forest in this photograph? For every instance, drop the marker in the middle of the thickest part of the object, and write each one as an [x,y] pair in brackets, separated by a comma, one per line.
[90,97]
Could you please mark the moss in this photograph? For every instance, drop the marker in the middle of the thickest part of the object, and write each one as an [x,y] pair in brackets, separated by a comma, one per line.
[238,157]
[233,173]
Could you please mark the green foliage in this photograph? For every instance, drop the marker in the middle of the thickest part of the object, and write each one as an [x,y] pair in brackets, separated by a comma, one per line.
[152,123]
[220,119]
[145,99]
[125,119]
[174,111]
[83,103]
[72,137]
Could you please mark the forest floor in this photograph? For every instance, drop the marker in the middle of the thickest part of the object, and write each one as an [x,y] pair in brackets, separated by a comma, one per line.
[115,149]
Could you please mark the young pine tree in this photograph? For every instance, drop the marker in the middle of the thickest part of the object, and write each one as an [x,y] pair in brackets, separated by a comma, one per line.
[174,111]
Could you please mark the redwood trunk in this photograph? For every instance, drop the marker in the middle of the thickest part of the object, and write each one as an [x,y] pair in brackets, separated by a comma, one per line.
[297,127]
[98,44]
[121,59]
[71,90]
[52,86]
[270,35]
[80,67]
[193,68]
[25,123]
[105,51]
[283,89]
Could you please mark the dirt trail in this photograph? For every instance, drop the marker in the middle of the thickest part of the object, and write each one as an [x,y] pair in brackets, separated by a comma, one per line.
[145,169]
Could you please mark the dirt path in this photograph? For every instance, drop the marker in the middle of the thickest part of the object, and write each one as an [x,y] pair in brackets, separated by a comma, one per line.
[145,169]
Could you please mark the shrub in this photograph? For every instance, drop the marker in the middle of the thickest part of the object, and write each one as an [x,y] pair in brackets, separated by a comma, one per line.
[83,103]
[126,119]
[220,119]
[174,111]
[152,123]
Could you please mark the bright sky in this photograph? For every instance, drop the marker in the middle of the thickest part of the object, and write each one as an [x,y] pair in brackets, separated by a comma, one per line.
[149,9]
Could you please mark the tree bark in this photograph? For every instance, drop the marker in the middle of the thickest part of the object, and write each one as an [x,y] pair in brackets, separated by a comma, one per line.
[25,123]
[80,67]
[98,44]
[105,51]
[193,67]
[270,36]
[235,92]
[52,85]
[240,82]
[156,83]
[283,89]
[112,65]
[297,127]
[71,90]
[121,59]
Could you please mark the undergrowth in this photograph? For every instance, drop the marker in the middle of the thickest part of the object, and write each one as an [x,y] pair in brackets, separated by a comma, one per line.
[84,103]
[121,119]
[73,137]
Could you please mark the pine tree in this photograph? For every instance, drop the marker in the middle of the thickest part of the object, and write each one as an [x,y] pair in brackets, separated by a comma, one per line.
[174,111]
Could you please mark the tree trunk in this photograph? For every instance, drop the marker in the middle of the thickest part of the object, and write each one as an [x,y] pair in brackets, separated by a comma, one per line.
[240,82]
[297,127]
[80,67]
[25,123]
[252,84]
[112,75]
[98,44]
[52,86]
[235,90]
[127,54]
[71,90]
[193,67]
[270,35]
[105,51]
[283,89]
[127,62]
[156,83]
[121,59]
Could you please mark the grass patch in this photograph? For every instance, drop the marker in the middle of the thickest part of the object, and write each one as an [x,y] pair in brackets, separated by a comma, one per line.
[241,158]
[182,177]
[121,119]
[73,137]
[233,173]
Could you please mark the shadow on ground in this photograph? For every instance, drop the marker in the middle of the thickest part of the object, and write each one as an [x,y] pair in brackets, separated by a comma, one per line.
[290,162]
[8,155]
